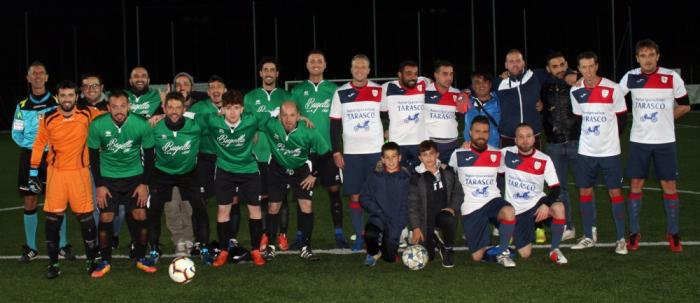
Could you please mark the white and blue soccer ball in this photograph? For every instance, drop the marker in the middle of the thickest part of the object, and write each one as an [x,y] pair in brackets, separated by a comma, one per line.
[181,270]
[415,257]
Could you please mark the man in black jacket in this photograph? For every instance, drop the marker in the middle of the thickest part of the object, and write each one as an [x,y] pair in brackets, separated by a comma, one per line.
[433,204]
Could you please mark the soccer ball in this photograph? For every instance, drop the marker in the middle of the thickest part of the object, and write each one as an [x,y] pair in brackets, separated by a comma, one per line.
[415,257]
[181,270]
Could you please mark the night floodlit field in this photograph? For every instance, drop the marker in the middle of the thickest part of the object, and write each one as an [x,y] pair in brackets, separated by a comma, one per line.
[651,274]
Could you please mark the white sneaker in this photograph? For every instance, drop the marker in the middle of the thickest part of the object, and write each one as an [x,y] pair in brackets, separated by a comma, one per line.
[595,234]
[495,232]
[505,260]
[403,240]
[181,249]
[557,257]
[584,242]
[621,246]
[568,234]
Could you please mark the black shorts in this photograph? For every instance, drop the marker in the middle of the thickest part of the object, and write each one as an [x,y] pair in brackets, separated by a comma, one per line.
[245,186]
[25,156]
[264,169]
[121,190]
[328,173]
[281,178]
[206,167]
[161,189]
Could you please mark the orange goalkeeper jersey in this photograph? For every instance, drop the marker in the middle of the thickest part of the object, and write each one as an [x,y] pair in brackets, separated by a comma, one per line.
[66,138]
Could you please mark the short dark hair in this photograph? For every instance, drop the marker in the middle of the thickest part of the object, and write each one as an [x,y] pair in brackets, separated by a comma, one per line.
[91,75]
[481,120]
[524,124]
[217,78]
[390,146]
[35,63]
[315,52]
[232,97]
[427,145]
[554,54]
[406,63]
[482,74]
[587,55]
[119,94]
[174,96]
[266,60]
[67,84]
[646,43]
[442,63]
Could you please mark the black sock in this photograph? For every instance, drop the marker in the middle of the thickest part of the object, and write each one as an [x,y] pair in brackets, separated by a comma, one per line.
[131,226]
[306,225]
[52,228]
[272,225]
[224,231]
[256,229]
[106,231]
[141,238]
[235,220]
[200,221]
[264,202]
[87,228]
[336,208]
[284,216]
[372,239]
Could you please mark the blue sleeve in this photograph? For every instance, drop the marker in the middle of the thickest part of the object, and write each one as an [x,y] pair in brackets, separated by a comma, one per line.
[471,113]
[18,125]
[542,75]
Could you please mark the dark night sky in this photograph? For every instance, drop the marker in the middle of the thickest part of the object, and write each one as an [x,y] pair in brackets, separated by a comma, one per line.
[74,37]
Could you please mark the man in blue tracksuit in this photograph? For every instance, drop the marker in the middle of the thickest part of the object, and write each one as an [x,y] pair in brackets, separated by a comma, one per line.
[384,197]
[519,95]
[25,125]
[484,102]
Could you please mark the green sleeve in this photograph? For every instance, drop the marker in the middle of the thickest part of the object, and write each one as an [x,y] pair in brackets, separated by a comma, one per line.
[247,104]
[93,137]
[318,144]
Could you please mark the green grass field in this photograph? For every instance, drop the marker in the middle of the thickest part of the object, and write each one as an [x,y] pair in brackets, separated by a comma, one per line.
[651,274]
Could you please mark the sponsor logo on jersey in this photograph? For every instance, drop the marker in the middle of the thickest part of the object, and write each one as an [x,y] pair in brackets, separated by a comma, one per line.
[653,117]
[306,93]
[482,192]
[415,118]
[312,106]
[288,152]
[592,130]
[257,102]
[225,141]
[362,126]
[114,146]
[171,149]
[108,133]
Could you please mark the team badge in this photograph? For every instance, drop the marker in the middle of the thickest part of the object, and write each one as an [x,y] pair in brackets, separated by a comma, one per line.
[420,87]
[605,93]
[664,79]
[493,157]
[374,93]
[538,164]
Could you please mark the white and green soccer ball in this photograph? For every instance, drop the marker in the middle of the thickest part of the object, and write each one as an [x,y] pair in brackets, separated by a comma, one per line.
[415,257]
[181,270]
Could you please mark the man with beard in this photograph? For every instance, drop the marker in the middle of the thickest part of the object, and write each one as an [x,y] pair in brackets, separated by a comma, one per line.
[484,103]
[25,125]
[313,98]
[267,98]
[440,110]
[117,142]
[404,99]
[526,170]
[92,92]
[144,100]
[477,169]
[64,130]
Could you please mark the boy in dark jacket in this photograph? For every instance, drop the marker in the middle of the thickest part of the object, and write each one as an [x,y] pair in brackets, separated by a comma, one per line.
[384,197]
[433,203]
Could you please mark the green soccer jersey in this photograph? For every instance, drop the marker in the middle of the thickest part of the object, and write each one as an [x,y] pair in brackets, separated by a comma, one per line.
[208,145]
[234,143]
[176,151]
[120,147]
[314,101]
[292,150]
[259,101]
[146,104]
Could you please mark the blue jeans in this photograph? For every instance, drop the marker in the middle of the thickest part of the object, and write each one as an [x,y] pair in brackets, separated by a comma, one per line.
[564,155]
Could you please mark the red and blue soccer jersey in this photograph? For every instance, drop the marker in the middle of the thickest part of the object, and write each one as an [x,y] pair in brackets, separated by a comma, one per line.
[653,97]
[439,112]
[477,172]
[358,108]
[405,107]
[525,177]
[598,107]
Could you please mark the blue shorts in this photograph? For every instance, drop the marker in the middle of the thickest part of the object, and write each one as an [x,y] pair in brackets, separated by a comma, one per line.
[587,168]
[476,224]
[664,157]
[524,232]
[357,169]
[409,156]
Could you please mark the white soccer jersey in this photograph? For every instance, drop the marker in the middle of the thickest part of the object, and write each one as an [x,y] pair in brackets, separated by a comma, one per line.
[653,99]
[477,173]
[525,177]
[358,108]
[439,112]
[405,107]
[598,107]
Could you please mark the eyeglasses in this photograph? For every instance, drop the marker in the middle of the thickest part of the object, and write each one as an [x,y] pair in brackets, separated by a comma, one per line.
[91,86]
